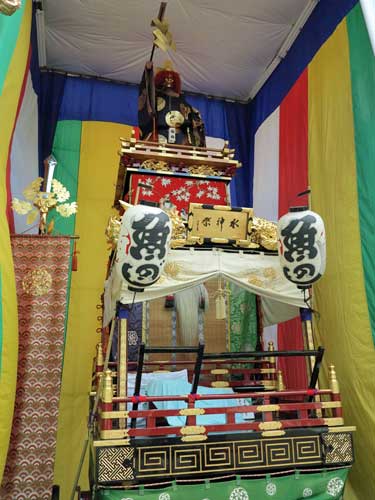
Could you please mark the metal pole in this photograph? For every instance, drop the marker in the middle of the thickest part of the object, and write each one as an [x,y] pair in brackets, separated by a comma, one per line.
[91,418]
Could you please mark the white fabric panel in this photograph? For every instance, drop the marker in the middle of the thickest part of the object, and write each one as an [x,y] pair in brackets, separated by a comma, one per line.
[24,154]
[223,47]
[215,142]
[266,169]
[260,274]
[277,312]
[270,334]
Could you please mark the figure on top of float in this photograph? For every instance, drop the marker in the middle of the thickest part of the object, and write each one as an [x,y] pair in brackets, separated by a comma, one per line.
[163,113]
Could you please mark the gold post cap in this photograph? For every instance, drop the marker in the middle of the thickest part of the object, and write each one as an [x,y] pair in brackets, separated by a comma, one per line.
[333,383]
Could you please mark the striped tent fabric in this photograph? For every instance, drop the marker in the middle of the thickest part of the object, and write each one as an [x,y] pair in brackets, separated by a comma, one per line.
[311,125]
[318,132]
[14,71]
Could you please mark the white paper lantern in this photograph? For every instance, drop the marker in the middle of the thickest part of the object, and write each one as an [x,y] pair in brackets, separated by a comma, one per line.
[143,245]
[302,246]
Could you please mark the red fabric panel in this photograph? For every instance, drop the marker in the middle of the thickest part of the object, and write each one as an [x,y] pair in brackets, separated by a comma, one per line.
[9,211]
[181,190]
[293,179]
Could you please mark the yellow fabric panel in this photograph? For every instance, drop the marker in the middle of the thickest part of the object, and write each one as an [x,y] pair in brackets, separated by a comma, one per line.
[8,109]
[343,325]
[96,188]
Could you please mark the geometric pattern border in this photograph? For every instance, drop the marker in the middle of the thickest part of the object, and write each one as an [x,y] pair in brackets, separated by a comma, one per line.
[185,459]
[116,464]
[338,448]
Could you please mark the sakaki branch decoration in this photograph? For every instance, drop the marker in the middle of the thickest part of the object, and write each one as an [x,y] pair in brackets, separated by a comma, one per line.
[39,202]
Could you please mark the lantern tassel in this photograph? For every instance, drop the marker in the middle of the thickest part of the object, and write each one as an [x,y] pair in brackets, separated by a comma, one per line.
[220,304]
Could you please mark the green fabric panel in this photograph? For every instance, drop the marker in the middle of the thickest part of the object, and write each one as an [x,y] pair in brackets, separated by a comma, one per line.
[9,29]
[67,149]
[362,66]
[242,319]
[1,321]
[317,486]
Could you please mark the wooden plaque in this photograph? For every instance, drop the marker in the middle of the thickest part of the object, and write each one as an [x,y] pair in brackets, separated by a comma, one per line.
[219,224]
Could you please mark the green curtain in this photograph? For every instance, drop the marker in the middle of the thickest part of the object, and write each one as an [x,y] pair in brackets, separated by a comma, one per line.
[318,486]
[362,68]
[66,149]
[9,30]
[242,319]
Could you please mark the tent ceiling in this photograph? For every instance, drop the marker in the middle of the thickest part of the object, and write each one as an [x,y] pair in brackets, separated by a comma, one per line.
[223,48]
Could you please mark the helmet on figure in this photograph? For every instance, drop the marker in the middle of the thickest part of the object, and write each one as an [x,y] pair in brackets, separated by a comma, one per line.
[168,79]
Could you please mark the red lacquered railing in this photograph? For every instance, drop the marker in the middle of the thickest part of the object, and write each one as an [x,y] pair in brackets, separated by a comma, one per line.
[275,412]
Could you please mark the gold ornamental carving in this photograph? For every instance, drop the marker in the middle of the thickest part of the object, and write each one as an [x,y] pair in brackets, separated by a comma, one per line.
[178,229]
[112,231]
[155,165]
[203,170]
[37,282]
[264,233]
[197,170]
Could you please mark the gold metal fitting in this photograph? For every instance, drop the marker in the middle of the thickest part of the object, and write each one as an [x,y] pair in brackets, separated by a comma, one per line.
[280,381]
[192,411]
[333,383]
[273,433]
[99,355]
[220,383]
[192,439]
[271,348]
[193,429]
[270,426]
[219,371]
[107,391]
[262,408]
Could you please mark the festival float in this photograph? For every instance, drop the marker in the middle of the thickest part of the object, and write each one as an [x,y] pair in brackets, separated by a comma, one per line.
[180,411]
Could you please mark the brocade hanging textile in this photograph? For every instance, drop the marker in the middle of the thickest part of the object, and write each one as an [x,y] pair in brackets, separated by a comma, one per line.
[42,270]
[242,319]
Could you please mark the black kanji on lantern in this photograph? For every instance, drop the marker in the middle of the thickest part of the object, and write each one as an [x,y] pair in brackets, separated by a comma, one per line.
[302,272]
[299,240]
[206,221]
[138,275]
[149,236]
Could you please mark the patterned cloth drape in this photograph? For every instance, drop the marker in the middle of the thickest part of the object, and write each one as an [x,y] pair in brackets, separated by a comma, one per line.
[243,319]
[42,268]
